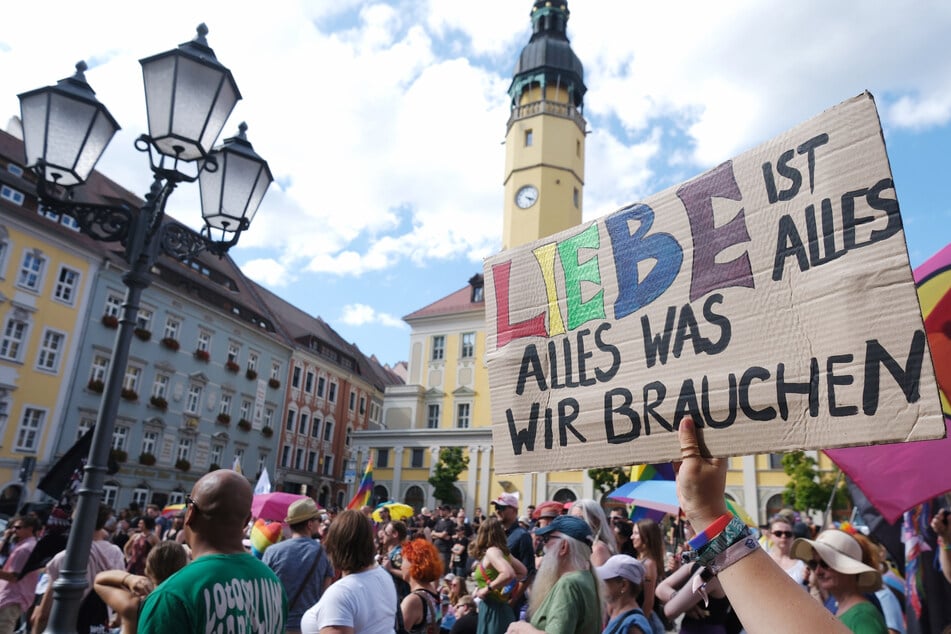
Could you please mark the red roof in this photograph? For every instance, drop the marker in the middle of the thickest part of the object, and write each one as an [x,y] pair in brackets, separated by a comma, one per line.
[457,302]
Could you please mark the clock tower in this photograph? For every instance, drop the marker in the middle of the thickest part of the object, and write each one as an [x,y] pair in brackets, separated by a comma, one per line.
[544,140]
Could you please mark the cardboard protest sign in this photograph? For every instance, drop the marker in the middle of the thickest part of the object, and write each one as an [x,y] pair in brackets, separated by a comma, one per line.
[770,298]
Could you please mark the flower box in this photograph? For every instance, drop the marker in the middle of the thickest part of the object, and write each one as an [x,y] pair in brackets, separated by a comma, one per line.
[95,385]
[143,334]
[232,367]
[110,321]
[171,343]
[213,467]
[224,419]
[251,374]
[129,395]
[273,384]
[267,432]
[244,424]
[182,465]
[158,403]
[146,458]
[119,455]
[202,355]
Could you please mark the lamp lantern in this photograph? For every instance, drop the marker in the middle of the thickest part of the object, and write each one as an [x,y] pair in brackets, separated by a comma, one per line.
[65,129]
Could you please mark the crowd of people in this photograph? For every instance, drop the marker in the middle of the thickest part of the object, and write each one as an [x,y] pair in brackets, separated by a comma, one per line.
[555,568]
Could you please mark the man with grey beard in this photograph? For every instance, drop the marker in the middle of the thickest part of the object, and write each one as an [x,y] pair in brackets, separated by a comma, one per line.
[565,596]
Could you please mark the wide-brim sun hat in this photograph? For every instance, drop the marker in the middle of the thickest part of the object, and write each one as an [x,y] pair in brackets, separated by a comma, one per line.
[843,554]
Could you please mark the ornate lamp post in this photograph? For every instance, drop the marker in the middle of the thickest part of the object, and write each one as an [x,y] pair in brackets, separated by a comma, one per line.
[189,95]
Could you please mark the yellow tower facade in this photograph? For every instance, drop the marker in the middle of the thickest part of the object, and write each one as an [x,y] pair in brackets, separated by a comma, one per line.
[544,156]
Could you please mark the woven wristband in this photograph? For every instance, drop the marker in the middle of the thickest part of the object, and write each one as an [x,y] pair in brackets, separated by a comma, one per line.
[734,532]
[733,554]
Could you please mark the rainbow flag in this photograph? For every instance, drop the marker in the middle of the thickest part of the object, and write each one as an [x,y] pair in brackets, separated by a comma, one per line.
[362,496]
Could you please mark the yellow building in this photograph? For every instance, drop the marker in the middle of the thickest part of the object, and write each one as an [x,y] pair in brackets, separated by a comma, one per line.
[46,277]
[445,402]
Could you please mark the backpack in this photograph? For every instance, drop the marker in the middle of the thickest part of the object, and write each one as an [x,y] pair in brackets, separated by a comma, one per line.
[93,615]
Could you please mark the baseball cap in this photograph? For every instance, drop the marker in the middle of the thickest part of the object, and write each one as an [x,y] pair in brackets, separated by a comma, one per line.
[548,510]
[623,566]
[506,499]
[568,525]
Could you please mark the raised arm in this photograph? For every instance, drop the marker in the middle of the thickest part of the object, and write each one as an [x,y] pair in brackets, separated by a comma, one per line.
[765,598]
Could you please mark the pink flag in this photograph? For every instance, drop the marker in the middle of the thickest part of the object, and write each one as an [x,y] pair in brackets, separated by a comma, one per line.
[896,477]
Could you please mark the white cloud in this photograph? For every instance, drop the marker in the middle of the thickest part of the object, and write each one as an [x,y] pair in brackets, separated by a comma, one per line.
[363,315]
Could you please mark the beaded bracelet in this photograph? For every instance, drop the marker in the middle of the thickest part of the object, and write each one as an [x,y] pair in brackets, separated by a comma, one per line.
[734,532]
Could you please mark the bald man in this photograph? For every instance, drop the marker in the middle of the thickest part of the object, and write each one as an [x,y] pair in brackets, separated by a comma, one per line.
[224,589]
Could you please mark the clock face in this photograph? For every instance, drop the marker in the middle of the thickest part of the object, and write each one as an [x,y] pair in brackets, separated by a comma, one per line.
[526,196]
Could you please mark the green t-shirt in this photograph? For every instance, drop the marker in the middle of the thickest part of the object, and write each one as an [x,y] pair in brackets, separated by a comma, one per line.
[864,618]
[571,607]
[217,593]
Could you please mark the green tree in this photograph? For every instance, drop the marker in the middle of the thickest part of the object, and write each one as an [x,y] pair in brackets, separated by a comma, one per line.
[609,479]
[451,464]
[808,489]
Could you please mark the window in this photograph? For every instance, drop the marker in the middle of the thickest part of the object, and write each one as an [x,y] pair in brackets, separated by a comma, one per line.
[295,377]
[467,350]
[363,405]
[328,465]
[416,458]
[233,351]
[113,305]
[478,294]
[224,406]
[109,494]
[143,320]
[238,458]
[321,384]
[66,282]
[328,431]
[193,401]
[262,462]
[577,148]
[299,459]
[315,430]
[100,366]
[14,334]
[160,386]
[85,423]
[14,169]
[383,458]
[529,137]
[268,416]
[348,437]
[439,347]
[31,426]
[302,427]
[246,409]
[285,455]
[576,197]
[309,382]
[184,449]
[13,195]
[131,380]
[776,461]
[120,435]
[140,497]
[353,400]
[432,416]
[276,370]
[176,497]
[31,270]
[50,350]
[149,441]
[332,394]
[217,450]
[4,249]
[253,361]
[172,327]
[204,340]
[311,461]
[462,415]
[69,222]
[291,415]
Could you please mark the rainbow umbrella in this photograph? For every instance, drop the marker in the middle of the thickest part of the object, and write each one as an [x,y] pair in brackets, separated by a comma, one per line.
[661,495]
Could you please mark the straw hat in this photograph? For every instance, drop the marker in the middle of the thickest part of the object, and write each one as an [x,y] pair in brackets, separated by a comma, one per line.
[301,511]
[842,553]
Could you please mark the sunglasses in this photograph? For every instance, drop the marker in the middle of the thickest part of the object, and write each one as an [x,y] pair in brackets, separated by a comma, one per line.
[814,563]
[544,539]
[18,527]
[786,534]
[189,501]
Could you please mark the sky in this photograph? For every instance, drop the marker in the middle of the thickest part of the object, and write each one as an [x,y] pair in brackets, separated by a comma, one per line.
[383,122]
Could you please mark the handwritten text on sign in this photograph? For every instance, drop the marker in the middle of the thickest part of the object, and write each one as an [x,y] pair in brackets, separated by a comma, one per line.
[770,299]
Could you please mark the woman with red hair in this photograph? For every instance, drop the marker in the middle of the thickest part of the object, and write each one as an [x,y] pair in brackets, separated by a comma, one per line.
[421,611]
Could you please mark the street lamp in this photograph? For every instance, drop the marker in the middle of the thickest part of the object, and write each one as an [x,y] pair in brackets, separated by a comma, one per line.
[189,96]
